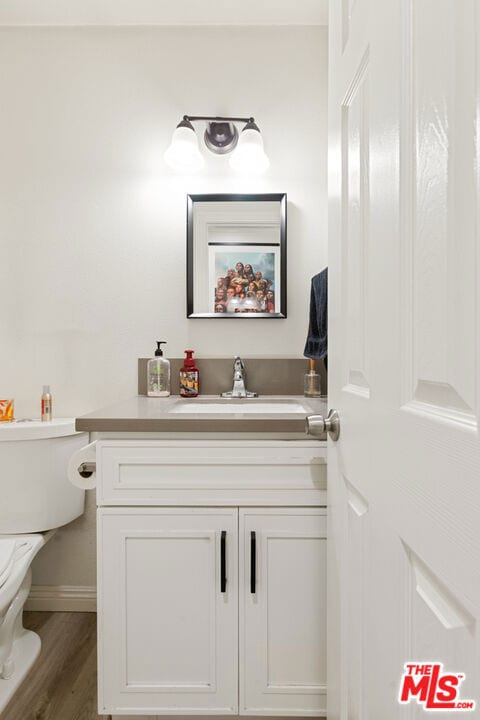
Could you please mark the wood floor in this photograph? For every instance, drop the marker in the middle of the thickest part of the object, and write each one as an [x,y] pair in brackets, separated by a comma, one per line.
[62,685]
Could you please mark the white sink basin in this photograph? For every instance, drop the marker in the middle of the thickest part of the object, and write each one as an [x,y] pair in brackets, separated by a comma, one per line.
[247,406]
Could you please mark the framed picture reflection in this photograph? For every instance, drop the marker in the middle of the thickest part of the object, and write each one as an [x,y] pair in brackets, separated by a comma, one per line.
[236,256]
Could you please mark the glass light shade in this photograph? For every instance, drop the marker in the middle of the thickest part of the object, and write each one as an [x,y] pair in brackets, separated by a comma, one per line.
[249,155]
[183,152]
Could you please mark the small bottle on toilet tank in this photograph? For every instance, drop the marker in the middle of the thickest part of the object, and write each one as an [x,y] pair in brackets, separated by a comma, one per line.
[46,404]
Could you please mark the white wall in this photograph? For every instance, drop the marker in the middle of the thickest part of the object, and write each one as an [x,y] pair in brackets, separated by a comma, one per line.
[92,223]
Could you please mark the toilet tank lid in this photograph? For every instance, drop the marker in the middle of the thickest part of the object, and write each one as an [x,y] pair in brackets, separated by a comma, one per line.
[36,429]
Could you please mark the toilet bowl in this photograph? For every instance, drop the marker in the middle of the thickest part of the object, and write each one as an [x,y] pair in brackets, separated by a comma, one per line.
[36,499]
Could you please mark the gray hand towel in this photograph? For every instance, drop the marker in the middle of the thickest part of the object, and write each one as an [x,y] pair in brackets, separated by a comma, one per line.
[317,339]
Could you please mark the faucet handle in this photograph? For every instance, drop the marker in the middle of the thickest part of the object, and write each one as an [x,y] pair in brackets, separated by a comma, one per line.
[239,390]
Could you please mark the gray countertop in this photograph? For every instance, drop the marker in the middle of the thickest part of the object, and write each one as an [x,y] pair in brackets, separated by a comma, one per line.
[146,414]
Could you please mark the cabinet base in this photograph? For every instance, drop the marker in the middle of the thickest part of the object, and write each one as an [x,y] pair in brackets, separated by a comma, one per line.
[217,717]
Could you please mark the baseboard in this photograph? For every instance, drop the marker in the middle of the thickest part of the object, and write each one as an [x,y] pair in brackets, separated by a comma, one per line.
[62,598]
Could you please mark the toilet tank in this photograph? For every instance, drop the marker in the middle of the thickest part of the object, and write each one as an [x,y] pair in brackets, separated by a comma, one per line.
[35,492]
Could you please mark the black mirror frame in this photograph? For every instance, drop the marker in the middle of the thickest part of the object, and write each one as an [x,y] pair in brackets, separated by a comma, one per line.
[227,197]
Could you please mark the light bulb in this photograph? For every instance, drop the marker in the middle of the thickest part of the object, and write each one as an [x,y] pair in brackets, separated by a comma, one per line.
[249,155]
[183,152]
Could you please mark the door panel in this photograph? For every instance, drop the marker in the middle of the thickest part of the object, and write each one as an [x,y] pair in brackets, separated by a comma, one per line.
[356,600]
[168,634]
[404,346]
[282,624]
[438,625]
[440,263]
[179,626]
[355,208]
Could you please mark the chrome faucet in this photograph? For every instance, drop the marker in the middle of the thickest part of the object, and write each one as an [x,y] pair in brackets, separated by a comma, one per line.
[239,389]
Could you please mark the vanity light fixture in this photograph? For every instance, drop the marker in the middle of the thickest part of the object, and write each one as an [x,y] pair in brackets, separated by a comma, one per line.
[221,137]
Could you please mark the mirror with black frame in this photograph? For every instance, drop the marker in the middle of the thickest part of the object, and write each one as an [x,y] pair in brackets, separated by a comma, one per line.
[237,256]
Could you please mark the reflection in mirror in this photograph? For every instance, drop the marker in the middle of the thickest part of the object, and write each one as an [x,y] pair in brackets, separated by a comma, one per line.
[236,256]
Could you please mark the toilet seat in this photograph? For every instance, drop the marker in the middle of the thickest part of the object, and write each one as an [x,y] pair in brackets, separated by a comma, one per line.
[7,552]
[13,549]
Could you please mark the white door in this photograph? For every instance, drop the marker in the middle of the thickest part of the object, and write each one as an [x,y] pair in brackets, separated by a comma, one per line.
[282,611]
[168,611]
[404,477]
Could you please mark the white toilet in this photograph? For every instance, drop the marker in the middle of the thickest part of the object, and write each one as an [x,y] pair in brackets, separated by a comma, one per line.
[36,498]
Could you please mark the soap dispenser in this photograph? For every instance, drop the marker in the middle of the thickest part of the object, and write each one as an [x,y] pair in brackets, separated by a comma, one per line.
[158,373]
[189,377]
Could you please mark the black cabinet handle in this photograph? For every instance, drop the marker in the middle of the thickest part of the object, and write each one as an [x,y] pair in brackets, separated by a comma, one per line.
[223,561]
[253,562]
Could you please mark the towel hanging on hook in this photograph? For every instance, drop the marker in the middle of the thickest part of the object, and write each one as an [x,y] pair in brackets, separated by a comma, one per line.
[316,345]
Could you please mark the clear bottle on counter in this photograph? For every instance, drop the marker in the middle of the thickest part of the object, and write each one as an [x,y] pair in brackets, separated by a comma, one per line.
[158,373]
[312,385]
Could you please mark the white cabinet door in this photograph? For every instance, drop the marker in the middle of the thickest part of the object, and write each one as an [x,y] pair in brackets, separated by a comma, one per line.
[282,611]
[168,630]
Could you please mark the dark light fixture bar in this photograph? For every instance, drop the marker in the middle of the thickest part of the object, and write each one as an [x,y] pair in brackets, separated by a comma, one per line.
[218,118]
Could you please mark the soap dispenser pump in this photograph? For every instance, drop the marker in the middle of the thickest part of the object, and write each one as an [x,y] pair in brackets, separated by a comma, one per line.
[158,373]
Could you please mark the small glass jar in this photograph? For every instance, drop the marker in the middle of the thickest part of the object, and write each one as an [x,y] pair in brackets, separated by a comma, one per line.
[312,386]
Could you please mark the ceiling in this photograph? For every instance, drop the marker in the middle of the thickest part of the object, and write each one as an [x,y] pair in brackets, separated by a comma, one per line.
[163,12]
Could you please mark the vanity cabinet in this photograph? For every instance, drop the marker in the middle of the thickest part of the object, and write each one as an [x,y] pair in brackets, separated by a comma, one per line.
[168,629]
[214,609]
[282,626]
